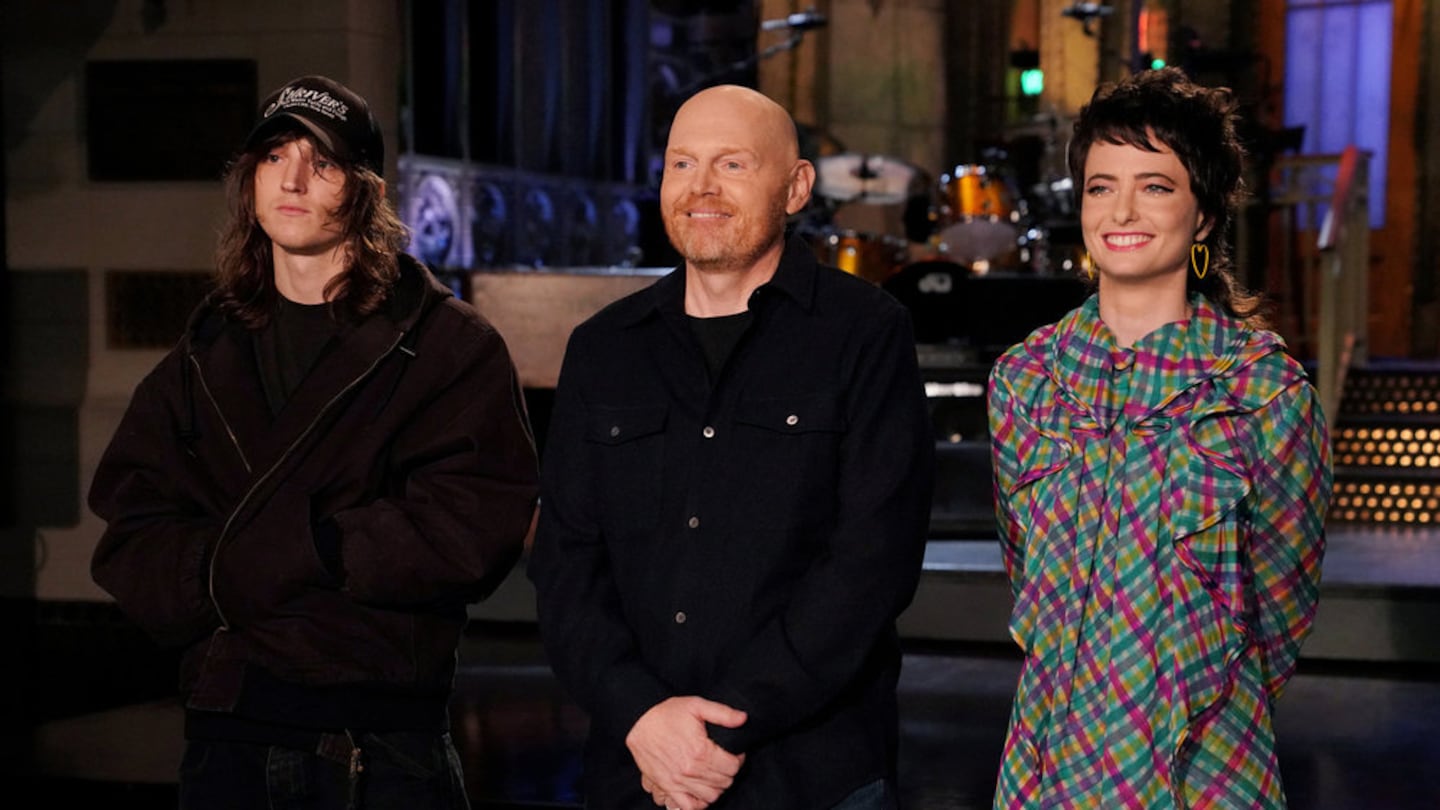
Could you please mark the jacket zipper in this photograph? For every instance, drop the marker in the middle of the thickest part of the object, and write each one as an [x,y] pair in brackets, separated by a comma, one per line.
[223,421]
[240,507]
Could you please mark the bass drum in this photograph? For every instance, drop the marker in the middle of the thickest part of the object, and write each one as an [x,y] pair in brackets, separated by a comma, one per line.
[873,257]
[935,290]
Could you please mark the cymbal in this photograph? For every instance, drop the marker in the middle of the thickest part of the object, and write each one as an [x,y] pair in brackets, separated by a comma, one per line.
[855,177]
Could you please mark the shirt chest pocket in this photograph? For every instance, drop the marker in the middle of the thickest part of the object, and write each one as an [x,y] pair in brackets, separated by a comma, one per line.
[790,451]
[792,416]
[628,448]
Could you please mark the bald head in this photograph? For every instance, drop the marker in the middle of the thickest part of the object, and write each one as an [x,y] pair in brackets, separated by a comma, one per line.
[749,118]
[733,174]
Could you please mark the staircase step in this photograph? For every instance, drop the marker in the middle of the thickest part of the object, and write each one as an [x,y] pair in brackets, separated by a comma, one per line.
[1386,446]
[1409,389]
[1391,447]
[1379,498]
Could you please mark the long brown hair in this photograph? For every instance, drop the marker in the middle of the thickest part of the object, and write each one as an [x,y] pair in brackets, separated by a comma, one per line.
[244,259]
[1199,124]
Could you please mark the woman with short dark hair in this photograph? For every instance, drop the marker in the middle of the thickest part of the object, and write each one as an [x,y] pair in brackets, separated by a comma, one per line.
[1162,474]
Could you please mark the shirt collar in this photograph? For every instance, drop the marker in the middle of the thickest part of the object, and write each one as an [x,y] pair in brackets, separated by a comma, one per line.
[794,278]
[1171,359]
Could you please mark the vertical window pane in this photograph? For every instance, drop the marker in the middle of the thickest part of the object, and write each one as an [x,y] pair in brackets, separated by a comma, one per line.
[1302,73]
[1337,81]
[1335,126]
[1372,112]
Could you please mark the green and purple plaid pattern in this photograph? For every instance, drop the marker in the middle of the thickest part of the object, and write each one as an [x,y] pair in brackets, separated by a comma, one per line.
[1161,510]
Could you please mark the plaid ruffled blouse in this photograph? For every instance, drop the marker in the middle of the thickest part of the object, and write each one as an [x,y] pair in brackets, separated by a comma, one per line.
[1161,512]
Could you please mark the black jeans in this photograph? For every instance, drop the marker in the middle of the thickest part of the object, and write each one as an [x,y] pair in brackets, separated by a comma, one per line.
[396,771]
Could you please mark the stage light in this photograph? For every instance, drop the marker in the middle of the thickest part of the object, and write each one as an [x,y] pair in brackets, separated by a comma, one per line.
[1032,81]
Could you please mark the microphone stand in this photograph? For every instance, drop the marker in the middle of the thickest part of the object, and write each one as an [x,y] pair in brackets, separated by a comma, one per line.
[742,64]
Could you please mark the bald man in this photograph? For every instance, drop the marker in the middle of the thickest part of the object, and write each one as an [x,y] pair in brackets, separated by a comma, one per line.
[735,496]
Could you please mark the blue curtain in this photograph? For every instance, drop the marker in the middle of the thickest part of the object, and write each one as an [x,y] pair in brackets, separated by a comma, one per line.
[1337,81]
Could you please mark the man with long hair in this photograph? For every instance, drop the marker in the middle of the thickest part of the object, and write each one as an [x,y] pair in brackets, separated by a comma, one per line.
[310,487]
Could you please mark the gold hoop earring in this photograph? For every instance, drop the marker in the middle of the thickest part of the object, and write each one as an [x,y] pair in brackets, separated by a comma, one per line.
[1201,264]
[1089,265]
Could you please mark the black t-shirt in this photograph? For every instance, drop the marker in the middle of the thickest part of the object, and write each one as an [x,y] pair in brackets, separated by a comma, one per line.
[719,336]
[288,346]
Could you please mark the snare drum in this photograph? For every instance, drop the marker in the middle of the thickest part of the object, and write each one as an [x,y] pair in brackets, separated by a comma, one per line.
[873,257]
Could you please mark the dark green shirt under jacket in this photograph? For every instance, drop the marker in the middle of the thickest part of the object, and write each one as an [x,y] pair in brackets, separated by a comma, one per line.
[750,541]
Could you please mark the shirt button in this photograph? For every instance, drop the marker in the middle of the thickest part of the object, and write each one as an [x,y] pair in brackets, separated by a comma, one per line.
[680,617]
[708,432]
[614,431]
[693,523]
[792,420]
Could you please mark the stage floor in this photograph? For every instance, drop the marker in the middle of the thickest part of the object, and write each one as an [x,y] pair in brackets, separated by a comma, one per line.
[1353,732]
[1350,736]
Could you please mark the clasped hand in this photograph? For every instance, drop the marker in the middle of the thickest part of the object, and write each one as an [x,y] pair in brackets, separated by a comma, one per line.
[680,766]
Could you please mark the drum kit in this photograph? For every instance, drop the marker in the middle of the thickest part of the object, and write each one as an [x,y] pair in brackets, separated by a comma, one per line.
[974,216]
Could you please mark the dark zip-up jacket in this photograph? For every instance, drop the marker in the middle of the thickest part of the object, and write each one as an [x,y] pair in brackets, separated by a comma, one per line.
[406,449]
[750,540]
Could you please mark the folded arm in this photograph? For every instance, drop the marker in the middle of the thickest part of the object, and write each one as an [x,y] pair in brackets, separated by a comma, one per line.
[465,497]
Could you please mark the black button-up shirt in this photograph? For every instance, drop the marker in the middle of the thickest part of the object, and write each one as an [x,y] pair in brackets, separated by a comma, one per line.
[750,541]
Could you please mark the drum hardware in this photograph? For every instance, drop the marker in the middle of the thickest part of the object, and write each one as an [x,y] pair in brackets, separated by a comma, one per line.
[1059,249]
[1055,198]
[1070,259]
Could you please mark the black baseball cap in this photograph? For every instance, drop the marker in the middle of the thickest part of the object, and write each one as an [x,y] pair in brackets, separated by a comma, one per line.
[333,113]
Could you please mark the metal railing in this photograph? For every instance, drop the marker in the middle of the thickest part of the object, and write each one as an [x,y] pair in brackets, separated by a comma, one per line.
[1335,190]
